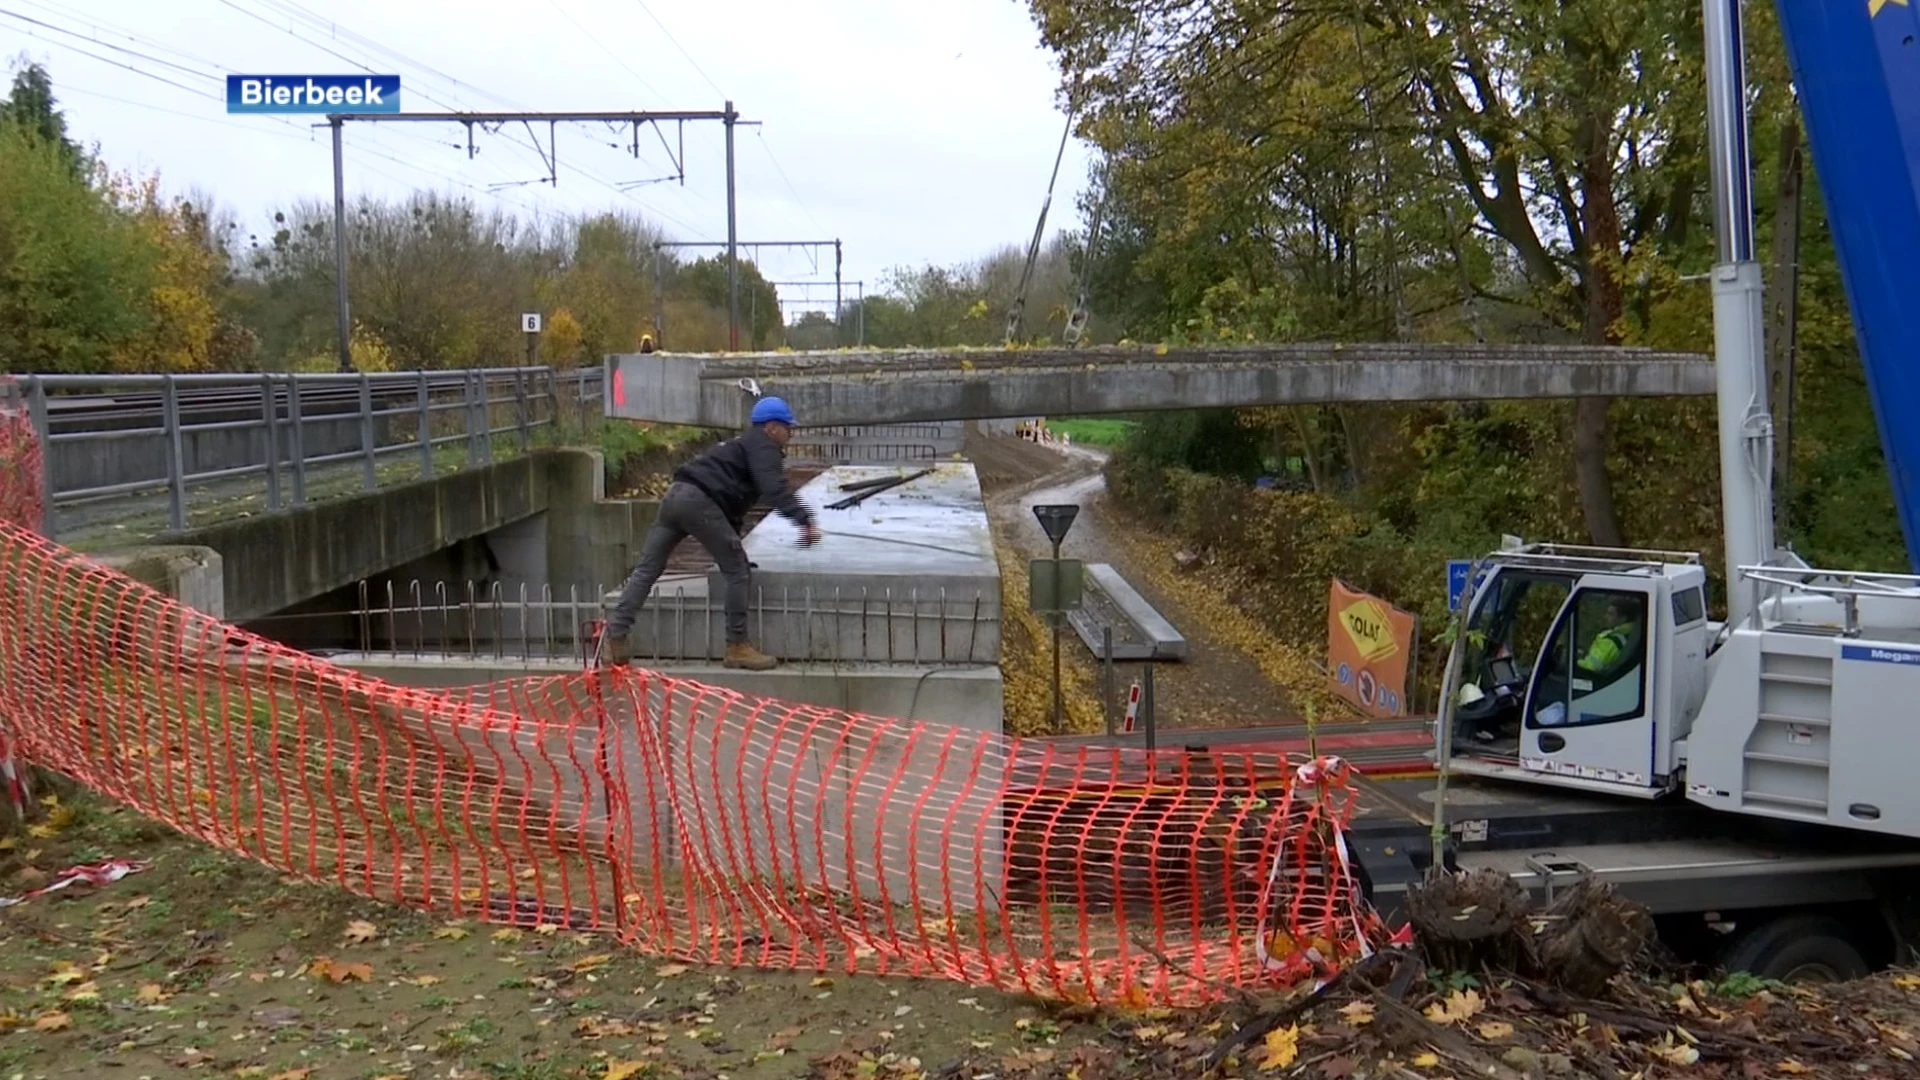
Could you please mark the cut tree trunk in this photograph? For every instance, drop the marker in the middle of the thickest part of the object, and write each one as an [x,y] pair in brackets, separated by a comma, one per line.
[1470,922]
[1600,222]
[1590,935]
[1590,471]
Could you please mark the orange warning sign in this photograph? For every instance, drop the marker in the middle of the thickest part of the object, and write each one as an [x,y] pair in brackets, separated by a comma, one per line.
[1369,648]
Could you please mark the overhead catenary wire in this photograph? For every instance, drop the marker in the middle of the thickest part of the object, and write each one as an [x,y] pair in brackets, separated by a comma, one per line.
[297,132]
[298,22]
[303,133]
[683,51]
[512,140]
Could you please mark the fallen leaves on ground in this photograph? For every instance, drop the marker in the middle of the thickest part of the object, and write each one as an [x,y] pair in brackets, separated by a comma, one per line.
[599,1027]
[1357,1013]
[1280,1047]
[66,973]
[623,1070]
[455,933]
[332,970]
[52,1021]
[1457,1006]
[360,931]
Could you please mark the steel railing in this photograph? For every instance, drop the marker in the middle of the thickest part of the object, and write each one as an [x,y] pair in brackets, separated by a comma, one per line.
[120,437]
[528,623]
[1846,587]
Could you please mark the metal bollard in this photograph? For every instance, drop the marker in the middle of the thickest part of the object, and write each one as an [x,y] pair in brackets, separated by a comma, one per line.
[176,455]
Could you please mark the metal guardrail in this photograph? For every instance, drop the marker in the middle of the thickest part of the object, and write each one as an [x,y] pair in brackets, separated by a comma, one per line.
[103,433]
[1847,587]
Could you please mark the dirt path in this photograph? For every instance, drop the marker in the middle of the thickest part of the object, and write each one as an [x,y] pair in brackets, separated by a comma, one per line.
[1222,682]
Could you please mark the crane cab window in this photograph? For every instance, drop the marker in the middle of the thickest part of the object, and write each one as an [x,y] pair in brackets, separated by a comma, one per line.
[1507,633]
[1595,662]
[1689,606]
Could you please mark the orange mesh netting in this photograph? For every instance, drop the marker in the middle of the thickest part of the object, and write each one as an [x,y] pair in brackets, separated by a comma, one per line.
[20,493]
[689,821]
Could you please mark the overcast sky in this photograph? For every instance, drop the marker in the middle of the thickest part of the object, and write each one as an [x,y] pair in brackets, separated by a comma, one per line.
[914,130]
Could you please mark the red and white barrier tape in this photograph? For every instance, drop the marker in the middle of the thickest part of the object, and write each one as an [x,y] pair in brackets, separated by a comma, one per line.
[93,874]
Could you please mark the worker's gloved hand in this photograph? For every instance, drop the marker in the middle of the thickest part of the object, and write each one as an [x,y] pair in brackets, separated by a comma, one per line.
[809,535]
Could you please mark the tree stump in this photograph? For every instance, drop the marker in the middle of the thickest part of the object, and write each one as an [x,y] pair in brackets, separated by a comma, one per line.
[1472,921]
[1591,935]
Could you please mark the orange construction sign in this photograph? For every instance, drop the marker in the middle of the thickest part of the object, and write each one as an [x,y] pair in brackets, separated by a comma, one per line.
[1369,650]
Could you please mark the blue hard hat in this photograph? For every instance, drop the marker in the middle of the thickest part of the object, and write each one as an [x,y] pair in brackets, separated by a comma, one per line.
[772,408]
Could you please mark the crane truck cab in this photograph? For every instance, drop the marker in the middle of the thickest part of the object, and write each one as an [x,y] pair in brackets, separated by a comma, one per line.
[1582,667]
[1598,669]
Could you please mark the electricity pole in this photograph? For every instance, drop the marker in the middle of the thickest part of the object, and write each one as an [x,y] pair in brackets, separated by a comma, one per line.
[733,261]
[342,322]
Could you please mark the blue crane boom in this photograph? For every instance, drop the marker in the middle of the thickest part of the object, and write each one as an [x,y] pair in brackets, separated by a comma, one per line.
[1856,64]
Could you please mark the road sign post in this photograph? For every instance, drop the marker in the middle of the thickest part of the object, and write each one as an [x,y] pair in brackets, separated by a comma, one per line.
[1055,520]
[530,324]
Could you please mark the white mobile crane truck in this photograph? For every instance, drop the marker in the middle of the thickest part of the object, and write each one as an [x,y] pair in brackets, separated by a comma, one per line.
[1756,782]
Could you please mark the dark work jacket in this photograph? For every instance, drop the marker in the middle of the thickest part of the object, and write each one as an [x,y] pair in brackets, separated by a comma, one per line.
[741,471]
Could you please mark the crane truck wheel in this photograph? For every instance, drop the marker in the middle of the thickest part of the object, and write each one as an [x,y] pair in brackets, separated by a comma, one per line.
[1798,948]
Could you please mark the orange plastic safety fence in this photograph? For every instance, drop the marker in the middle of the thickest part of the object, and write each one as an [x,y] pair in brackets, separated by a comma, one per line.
[689,821]
[20,494]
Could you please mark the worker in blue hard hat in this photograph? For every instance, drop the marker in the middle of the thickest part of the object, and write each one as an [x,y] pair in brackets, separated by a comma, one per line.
[708,500]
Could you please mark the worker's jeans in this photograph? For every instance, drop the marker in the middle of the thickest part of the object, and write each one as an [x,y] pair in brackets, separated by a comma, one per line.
[686,511]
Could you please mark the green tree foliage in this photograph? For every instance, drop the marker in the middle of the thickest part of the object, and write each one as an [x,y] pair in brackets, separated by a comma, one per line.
[30,106]
[74,274]
[1472,170]
[760,322]
[936,306]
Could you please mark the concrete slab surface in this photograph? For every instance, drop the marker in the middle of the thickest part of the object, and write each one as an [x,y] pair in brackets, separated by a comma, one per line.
[915,540]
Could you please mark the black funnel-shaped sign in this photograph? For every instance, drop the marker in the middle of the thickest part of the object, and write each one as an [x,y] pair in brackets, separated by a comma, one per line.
[1056,519]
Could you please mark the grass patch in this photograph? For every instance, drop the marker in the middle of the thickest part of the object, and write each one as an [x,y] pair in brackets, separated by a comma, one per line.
[1093,430]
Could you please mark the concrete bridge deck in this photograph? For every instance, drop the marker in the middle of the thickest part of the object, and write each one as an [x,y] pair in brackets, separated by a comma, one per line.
[919,385]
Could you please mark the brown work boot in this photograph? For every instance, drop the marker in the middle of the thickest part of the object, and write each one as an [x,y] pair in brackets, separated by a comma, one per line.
[747,658]
[615,650]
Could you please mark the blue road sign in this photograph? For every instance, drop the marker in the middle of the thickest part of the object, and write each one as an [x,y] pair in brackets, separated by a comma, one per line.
[1457,580]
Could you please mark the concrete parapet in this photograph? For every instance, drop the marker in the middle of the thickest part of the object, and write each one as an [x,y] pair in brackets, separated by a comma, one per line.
[968,697]
[188,573]
[882,794]
[273,561]
[1139,631]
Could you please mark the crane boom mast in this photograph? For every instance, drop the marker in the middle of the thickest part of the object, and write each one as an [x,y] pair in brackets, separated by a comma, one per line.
[1856,65]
